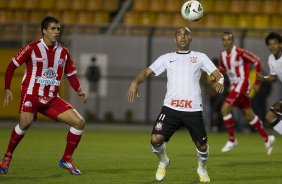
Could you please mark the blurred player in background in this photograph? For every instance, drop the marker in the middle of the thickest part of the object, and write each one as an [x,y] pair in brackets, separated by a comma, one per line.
[46,63]
[182,105]
[274,43]
[236,63]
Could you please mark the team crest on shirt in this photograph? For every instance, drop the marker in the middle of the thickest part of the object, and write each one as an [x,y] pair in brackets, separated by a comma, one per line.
[159,126]
[28,104]
[193,59]
[48,78]
[61,62]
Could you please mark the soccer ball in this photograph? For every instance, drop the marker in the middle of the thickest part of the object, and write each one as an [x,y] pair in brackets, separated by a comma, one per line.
[192,10]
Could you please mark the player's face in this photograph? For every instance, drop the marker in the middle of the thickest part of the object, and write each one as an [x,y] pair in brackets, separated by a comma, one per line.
[183,39]
[274,47]
[52,33]
[228,42]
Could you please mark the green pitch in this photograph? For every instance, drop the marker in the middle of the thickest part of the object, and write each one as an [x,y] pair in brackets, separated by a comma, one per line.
[125,157]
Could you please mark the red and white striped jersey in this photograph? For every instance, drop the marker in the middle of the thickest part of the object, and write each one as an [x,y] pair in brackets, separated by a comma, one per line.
[237,65]
[45,67]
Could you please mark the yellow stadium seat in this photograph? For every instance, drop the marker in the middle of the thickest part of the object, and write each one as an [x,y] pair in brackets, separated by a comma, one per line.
[110,5]
[209,6]
[245,21]
[228,20]
[101,18]
[270,6]
[148,19]
[237,6]
[254,6]
[157,5]
[31,4]
[45,5]
[164,19]
[261,21]
[20,16]
[212,20]
[140,5]
[62,4]
[3,3]
[68,17]
[85,17]
[276,21]
[94,4]
[54,13]
[173,5]
[221,6]
[178,21]
[132,18]
[77,4]
[15,4]
[6,16]
[36,16]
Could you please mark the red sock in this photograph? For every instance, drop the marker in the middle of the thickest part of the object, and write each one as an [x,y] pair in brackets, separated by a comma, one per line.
[229,125]
[256,123]
[14,140]
[72,142]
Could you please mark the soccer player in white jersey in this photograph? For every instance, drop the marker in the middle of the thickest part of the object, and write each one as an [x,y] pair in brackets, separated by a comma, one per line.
[274,43]
[236,63]
[182,106]
[46,63]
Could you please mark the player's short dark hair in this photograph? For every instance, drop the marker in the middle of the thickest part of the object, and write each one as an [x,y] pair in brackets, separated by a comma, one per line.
[47,20]
[228,33]
[273,35]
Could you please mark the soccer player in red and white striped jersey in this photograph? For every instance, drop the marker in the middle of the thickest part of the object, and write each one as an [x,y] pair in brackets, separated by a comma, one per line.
[46,63]
[236,63]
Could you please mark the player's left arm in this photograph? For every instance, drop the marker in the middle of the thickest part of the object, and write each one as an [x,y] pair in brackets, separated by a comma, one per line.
[218,80]
[70,71]
[75,84]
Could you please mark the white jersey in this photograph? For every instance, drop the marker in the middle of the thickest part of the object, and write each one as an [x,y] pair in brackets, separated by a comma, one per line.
[183,77]
[275,66]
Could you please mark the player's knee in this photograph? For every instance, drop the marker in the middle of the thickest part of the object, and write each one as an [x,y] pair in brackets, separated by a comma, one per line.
[202,146]
[25,123]
[78,123]
[270,116]
[157,140]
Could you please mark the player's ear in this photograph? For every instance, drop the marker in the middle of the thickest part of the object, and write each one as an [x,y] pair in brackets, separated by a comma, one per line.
[44,31]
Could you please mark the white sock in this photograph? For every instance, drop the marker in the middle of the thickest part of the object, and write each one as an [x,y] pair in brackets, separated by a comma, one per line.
[18,130]
[202,157]
[278,127]
[160,152]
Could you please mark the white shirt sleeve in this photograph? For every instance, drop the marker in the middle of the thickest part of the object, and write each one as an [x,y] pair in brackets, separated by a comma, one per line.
[271,67]
[207,65]
[158,66]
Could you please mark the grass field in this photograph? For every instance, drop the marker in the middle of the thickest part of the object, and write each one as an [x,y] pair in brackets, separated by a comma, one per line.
[124,157]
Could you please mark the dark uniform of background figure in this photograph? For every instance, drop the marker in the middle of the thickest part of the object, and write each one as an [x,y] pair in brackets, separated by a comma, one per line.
[93,76]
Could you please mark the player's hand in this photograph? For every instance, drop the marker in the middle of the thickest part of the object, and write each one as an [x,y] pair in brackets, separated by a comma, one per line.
[260,76]
[219,88]
[82,95]
[8,97]
[132,92]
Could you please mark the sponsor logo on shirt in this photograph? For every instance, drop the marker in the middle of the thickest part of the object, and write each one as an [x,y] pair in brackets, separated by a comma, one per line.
[61,62]
[28,104]
[49,78]
[193,59]
[182,103]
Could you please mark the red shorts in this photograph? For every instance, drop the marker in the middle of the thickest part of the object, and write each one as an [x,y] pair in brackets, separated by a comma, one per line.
[50,107]
[238,100]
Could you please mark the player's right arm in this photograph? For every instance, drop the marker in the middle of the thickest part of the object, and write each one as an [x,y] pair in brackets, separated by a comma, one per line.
[20,57]
[133,88]
[8,79]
